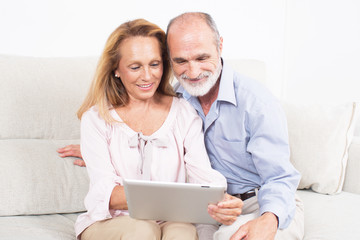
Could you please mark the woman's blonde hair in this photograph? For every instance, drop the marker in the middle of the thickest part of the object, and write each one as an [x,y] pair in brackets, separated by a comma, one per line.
[106,90]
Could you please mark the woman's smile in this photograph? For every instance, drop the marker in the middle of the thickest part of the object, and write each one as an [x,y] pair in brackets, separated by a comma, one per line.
[145,86]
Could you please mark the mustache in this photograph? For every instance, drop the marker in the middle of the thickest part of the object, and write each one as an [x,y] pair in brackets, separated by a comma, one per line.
[201,75]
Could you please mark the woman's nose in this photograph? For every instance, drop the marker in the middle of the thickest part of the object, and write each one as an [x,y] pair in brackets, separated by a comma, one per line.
[146,74]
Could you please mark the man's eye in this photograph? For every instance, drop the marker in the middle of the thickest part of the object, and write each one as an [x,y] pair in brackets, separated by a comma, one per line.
[202,58]
[180,61]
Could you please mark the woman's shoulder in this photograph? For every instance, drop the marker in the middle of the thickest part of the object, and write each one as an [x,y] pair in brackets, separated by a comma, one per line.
[92,112]
[92,116]
[185,113]
[184,106]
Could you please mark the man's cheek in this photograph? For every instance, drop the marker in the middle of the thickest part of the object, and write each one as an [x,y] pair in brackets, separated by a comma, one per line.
[178,71]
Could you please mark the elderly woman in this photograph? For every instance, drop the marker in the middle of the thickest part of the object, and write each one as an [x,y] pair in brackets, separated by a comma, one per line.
[132,126]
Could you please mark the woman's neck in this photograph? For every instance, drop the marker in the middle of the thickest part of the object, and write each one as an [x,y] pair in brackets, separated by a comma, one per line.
[146,116]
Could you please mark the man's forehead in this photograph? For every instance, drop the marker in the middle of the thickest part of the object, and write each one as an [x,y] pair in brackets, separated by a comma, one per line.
[190,24]
[189,37]
[187,20]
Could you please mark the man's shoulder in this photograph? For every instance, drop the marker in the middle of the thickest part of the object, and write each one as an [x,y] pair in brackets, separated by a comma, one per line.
[245,88]
[250,89]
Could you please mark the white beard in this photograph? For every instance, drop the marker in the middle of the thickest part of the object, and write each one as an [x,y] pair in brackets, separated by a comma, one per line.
[199,89]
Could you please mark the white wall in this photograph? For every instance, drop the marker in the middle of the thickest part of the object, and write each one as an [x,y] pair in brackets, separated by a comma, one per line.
[310,47]
[322,60]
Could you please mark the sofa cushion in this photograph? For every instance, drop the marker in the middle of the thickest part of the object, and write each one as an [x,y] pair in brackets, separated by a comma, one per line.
[40,96]
[319,137]
[352,182]
[41,227]
[331,217]
[357,128]
[35,180]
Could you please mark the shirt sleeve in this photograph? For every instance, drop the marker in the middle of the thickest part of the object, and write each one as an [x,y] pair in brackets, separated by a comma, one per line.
[102,175]
[269,147]
[198,165]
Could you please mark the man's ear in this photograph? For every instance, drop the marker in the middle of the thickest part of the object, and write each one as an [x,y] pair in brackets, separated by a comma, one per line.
[221,45]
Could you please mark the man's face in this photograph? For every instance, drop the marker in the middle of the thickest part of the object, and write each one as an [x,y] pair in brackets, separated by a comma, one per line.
[194,56]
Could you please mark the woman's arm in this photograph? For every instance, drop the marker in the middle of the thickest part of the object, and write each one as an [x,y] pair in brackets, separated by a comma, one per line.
[105,192]
[118,199]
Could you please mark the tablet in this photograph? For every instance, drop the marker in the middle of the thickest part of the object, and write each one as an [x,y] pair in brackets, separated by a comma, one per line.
[169,201]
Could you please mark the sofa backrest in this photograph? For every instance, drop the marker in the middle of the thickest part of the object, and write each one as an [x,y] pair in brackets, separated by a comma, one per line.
[40,96]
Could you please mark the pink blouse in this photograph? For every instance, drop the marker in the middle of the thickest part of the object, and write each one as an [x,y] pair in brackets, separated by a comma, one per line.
[113,152]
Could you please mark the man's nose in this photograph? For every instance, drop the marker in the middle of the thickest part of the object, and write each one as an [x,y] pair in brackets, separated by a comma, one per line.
[193,70]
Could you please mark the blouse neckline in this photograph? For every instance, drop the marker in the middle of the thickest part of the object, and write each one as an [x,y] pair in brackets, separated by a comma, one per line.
[168,120]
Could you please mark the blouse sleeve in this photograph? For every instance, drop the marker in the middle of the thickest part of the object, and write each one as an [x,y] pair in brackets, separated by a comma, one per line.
[102,175]
[198,165]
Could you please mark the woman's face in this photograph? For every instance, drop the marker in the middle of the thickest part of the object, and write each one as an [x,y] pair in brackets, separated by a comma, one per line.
[140,67]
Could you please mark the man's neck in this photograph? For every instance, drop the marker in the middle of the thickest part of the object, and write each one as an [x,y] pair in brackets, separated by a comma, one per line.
[207,100]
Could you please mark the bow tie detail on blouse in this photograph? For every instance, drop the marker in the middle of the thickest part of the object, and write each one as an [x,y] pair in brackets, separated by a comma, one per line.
[145,145]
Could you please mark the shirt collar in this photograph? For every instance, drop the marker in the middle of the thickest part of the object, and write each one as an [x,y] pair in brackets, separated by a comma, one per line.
[226,88]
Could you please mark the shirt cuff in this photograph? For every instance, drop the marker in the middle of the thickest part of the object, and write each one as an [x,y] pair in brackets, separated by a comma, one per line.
[283,218]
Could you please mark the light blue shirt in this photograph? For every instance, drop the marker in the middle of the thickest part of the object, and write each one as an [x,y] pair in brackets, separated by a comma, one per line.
[247,141]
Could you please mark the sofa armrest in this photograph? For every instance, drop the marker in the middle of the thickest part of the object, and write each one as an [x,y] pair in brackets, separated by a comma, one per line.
[352,176]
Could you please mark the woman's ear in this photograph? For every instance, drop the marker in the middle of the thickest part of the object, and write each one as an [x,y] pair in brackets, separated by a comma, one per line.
[117,75]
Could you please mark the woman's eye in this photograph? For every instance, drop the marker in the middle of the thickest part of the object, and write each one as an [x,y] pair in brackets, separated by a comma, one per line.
[154,64]
[135,68]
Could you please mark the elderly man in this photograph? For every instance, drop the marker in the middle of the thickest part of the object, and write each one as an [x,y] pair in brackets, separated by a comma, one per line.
[245,133]
[245,136]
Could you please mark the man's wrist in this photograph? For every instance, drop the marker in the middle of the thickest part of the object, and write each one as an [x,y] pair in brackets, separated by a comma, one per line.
[273,216]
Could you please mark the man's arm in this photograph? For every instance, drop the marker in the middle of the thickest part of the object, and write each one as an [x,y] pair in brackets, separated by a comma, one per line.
[270,152]
[262,228]
[72,151]
[269,148]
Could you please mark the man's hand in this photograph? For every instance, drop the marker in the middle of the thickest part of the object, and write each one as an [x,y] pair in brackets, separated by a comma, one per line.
[72,151]
[261,228]
[226,211]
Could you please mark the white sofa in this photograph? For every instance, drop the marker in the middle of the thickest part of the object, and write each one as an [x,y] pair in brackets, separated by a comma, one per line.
[41,194]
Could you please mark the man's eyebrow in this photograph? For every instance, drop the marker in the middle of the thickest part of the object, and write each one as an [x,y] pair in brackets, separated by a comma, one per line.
[178,59]
[204,55]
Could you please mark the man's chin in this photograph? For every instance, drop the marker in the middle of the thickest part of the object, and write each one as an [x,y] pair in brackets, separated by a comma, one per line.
[198,88]
[197,91]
